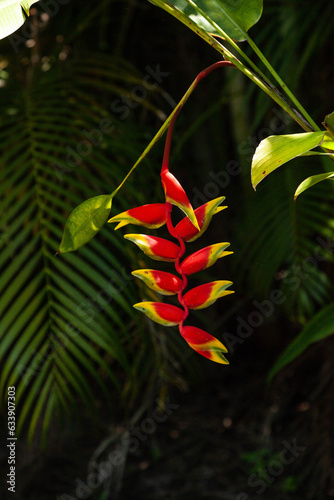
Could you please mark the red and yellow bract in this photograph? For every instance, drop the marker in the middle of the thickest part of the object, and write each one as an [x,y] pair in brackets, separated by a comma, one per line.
[168,284]
[204,258]
[205,344]
[155,247]
[165,314]
[152,216]
[176,195]
[188,229]
[205,295]
[160,281]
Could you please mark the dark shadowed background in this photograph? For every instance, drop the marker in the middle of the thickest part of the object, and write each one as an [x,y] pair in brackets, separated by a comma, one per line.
[110,405]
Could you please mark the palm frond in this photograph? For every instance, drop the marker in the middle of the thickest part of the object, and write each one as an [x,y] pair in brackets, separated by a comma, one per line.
[67,320]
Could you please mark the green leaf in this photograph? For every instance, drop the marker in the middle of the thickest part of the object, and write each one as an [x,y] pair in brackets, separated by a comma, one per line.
[311,181]
[328,142]
[221,16]
[320,327]
[13,13]
[276,150]
[329,124]
[84,222]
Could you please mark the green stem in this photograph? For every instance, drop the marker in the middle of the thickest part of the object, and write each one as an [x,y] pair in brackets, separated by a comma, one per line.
[283,85]
[227,38]
[301,117]
[294,100]
[262,83]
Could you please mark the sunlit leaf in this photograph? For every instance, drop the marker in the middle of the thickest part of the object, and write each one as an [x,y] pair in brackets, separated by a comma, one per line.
[328,142]
[311,181]
[276,150]
[233,18]
[13,13]
[329,123]
[84,222]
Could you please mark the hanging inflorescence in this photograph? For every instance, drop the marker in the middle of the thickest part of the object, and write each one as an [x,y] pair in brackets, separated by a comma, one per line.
[191,227]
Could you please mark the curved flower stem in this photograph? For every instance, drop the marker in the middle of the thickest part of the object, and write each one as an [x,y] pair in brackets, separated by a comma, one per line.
[171,119]
[299,115]
[165,169]
[311,123]
[200,76]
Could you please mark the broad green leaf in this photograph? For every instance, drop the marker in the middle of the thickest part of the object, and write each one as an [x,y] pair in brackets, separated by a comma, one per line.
[328,142]
[84,222]
[320,327]
[220,17]
[276,150]
[329,124]
[13,13]
[311,181]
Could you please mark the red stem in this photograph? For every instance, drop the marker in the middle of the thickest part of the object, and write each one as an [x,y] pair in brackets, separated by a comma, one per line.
[165,169]
[200,76]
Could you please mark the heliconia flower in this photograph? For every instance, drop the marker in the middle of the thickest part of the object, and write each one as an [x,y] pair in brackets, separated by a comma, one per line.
[154,247]
[164,314]
[193,225]
[204,343]
[204,258]
[175,194]
[160,281]
[204,295]
[152,216]
[187,231]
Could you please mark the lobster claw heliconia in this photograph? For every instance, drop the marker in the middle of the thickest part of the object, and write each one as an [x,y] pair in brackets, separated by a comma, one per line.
[164,314]
[155,247]
[176,195]
[204,258]
[203,296]
[152,216]
[191,227]
[160,281]
[188,232]
[204,343]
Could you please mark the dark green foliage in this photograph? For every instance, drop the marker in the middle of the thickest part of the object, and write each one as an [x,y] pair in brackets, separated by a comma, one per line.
[67,325]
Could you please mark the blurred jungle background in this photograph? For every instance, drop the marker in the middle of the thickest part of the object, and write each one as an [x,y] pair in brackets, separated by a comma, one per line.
[84,86]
